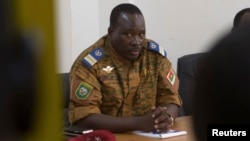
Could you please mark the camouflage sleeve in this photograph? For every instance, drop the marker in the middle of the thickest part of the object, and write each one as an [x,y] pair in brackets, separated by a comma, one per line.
[168,84]
[85,95]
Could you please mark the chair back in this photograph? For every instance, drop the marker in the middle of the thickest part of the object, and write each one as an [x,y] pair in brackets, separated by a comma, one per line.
[187,71]
[65,86]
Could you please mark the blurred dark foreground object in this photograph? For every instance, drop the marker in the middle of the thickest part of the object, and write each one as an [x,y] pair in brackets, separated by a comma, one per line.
[17,86]
[96,135]
[17,77]
[222,95]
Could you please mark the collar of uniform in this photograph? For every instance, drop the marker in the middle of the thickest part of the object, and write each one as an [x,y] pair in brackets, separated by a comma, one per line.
[119,58]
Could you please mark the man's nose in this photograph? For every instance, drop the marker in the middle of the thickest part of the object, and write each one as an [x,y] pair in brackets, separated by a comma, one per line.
[137,39]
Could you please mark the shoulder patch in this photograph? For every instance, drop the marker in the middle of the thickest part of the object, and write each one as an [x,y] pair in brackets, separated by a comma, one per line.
[156,48]
[171,76]
[94,56]
[83,90]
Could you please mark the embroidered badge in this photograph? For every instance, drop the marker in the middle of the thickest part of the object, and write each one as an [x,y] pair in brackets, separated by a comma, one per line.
[94,56]
[156,48]
[83,90]
[171,76]
[108,69]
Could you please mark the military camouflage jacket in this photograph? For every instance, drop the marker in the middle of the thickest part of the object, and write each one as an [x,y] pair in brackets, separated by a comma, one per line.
[103,82]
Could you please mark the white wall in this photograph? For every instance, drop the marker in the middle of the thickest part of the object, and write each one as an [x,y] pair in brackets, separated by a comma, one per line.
[180,26]
[63,28]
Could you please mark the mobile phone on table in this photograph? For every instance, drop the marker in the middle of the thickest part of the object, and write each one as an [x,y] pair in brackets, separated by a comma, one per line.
[75,131]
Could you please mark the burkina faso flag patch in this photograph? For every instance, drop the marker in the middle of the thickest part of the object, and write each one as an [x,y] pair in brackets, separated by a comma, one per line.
[171,76]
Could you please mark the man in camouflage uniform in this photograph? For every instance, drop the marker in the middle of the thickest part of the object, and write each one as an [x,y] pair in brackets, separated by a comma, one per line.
[124,81]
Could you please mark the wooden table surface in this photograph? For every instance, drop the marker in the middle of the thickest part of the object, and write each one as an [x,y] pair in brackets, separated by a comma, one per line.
[181,123]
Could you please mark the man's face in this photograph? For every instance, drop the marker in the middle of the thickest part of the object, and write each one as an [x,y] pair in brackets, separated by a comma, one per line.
[128,35]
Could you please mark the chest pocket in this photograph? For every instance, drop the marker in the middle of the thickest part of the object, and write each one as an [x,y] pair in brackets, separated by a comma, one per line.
[111,92]
[110,84]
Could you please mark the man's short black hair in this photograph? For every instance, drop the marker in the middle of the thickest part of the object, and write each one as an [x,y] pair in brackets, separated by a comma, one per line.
[122,8]
[238,16]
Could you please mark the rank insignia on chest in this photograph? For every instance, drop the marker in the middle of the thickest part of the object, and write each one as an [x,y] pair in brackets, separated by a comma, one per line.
[83,90]
[171,76]
[108,69]
[156,48]
[94,56]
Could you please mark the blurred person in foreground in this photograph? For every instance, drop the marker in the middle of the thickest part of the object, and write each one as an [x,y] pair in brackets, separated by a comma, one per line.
[222,94]
[17,79]
[188,77]
[124,82]
[241,18]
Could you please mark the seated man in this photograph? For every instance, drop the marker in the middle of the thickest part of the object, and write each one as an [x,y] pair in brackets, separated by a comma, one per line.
[124,82]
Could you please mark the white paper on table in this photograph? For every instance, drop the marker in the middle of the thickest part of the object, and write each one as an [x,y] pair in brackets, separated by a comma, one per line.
[170,133]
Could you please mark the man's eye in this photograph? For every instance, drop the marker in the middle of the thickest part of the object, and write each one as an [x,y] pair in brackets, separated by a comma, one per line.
[129,35]
[142,35]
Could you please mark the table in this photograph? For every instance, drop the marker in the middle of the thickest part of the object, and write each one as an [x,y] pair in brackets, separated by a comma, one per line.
[181,123]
